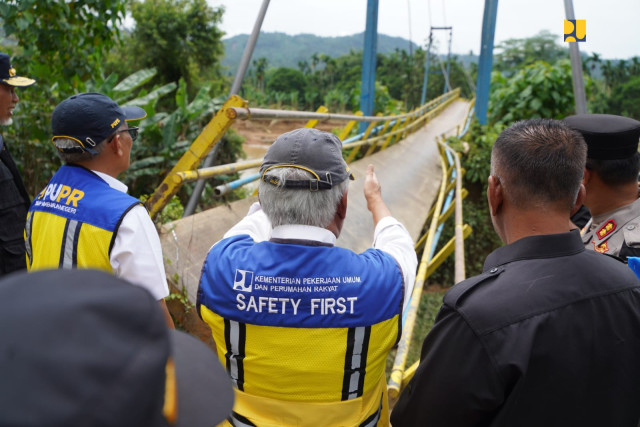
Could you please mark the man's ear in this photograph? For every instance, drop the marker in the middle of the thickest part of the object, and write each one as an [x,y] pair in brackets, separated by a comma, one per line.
[586,177]
[582,192]
[116,145]
[342,206]
[494,194]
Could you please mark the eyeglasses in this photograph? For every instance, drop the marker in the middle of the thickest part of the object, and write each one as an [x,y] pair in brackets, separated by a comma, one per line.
[133,132]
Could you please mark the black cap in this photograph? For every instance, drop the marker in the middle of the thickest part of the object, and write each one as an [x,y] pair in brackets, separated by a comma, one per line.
[84,348]
[317,152]
[8,73]
[89,119]
[608,137]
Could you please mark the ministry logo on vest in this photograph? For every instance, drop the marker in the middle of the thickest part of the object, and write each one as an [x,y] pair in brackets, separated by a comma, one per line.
[243,281]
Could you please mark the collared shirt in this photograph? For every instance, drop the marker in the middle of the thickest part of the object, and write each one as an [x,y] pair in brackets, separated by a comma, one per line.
[137,254]
[616,232]
[389,236]
[546,336]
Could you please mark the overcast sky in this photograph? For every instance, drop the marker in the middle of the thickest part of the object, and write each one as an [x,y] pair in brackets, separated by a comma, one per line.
[613,26]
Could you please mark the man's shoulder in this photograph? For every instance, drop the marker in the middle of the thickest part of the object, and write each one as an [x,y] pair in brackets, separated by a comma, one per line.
[510,293]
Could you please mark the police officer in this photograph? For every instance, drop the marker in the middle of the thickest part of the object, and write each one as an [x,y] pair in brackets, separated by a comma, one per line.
[611,181]
[14,199]
[547,335]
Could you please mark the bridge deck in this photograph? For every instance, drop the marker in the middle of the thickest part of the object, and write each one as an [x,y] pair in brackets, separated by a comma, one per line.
[409,173]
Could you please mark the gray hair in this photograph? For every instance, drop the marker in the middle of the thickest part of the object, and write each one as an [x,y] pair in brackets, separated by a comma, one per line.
[296,206]
[82,156]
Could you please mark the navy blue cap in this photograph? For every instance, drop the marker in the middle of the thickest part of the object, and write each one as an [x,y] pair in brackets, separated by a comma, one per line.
[312,150]
[8,73]
[608,137]
[84,348]
[89,119]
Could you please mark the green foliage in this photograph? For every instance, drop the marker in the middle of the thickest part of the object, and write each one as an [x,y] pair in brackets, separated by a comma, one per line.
[60,44]
[624,98]
[286,80]
[514,54]
[182,296]
[536,90]
[617,91]
[180,38]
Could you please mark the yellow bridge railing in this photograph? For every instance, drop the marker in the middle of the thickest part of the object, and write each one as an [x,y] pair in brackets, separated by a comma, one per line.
[382,132]
[452,174]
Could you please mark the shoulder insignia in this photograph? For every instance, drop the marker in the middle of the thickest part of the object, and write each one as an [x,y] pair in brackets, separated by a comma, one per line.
[606,229]
[602,248]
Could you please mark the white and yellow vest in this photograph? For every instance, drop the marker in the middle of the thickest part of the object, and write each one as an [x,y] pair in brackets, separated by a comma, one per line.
[74,221]
[304,331]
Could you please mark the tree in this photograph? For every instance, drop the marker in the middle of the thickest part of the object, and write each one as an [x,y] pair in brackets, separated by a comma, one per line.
[180,38]
[624,99]
[286,80]
[60,41]
[517,53]
[537,90]
[261,64]
[62,45]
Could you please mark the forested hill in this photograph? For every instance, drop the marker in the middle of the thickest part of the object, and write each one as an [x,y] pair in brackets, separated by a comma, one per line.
[282,50]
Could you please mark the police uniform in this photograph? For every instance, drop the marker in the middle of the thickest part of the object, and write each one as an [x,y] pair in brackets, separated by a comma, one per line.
[14,199]
[610,137]
[14,202]
[546,336]
[616,232]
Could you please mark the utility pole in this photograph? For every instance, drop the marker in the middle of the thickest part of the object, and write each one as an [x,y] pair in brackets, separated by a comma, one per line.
[235,88]
[368,83]
[576,66]
[486,59]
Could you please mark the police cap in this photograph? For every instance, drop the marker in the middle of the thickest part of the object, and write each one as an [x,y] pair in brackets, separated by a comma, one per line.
[608,137]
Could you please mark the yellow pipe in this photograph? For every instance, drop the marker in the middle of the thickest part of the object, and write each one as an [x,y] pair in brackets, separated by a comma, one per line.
[190,176]
[347,129]
[313,122]
[446,250]
[395,379]
[353,152]
[410,372]
[374,141]
[208,138]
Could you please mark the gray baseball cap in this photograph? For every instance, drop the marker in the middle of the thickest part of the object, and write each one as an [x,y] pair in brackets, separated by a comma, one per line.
[312,150]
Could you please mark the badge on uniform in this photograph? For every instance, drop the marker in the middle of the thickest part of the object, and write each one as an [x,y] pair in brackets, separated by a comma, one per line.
[602,248]
[606,229]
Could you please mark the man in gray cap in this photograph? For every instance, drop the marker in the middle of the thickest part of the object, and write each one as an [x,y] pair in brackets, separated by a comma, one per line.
[302,326]
[611,181]
[14,199]
[84,218]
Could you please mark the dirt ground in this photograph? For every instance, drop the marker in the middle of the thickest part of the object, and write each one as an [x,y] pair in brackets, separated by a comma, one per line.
[259,134]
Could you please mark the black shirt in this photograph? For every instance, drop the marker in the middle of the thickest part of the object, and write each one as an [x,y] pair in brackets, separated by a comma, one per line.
[548,335]
[14,203]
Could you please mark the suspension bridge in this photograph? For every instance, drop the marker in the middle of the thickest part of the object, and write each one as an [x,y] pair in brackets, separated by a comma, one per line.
[420,177]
